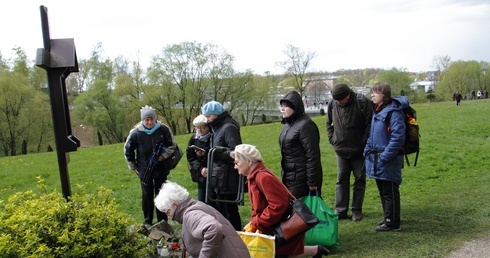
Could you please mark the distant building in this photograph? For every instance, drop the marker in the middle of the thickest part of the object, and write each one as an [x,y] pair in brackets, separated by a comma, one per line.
[426,85]
[364,90]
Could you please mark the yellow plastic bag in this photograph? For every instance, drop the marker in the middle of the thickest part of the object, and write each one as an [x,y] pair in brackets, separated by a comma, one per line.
[259,245]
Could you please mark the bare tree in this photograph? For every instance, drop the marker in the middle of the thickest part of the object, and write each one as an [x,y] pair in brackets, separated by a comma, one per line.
[441,63]
[296,65]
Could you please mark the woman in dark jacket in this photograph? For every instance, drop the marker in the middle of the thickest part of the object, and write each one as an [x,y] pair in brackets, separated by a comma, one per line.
[383,158]
[224,178]
[198,158]
[269,199]
[300,148]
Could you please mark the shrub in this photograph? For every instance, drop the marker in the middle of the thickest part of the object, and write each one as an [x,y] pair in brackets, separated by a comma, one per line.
[88,225]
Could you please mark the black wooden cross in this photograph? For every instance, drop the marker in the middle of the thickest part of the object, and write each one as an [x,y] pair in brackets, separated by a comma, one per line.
[59,59]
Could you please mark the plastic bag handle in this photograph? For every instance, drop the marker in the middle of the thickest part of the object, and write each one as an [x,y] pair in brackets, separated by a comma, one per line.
[309,193]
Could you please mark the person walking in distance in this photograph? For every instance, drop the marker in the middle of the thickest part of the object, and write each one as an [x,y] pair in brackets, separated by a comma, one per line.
[458,98]
[348,123]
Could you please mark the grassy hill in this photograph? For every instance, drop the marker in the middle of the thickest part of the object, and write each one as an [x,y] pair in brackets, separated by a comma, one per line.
[444,198]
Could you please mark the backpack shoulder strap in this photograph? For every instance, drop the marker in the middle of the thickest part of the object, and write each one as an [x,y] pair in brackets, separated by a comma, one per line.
[361,101]
[388,117]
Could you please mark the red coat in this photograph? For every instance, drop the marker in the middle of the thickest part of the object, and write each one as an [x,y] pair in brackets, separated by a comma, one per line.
[269,201]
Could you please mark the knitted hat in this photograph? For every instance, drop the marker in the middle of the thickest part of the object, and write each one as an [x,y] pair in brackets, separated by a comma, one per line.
[199,120]
[249,152]
[340,91]
[147,111]
[213,108]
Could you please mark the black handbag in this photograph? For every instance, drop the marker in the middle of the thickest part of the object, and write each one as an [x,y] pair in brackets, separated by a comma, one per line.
[299,220]
[172,161]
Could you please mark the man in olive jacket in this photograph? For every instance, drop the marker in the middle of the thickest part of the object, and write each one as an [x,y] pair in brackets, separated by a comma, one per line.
[348,123]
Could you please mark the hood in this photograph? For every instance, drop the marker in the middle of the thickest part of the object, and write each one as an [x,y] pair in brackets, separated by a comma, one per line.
[400,102]
[294,98]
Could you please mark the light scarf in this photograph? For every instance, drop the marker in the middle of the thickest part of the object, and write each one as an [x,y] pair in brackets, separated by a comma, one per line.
[152,130]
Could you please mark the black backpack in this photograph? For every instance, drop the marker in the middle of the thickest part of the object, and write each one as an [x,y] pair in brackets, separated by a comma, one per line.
[412,135]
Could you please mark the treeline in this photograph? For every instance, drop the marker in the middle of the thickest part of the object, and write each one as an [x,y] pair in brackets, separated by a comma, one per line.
[107,94]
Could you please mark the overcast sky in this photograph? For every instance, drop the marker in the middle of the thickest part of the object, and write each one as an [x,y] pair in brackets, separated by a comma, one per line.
[345,34]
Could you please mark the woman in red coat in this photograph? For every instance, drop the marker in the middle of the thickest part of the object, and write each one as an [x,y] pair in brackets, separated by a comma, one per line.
[269,200]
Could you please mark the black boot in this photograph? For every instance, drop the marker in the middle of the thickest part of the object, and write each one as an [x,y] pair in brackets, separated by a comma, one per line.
[322,251]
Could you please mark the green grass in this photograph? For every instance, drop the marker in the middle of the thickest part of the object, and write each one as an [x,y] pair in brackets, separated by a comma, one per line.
[444,199]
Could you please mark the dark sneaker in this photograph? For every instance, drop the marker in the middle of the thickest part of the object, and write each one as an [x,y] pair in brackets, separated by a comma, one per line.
[383,227]
[381,222]
[322,251]
[356,216]
[341,215]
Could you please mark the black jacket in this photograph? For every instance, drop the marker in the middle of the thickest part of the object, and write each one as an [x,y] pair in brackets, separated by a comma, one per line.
[226,133]
[197,163]
[300,149]
[139,147]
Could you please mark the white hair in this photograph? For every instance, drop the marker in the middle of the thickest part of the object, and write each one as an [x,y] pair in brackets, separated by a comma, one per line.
[239,156]
[170,193]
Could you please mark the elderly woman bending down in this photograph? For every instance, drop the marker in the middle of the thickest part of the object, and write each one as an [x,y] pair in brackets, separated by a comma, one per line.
[205,232]
[269,199]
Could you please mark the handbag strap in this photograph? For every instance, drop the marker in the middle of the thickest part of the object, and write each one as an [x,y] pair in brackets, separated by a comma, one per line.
[289,193]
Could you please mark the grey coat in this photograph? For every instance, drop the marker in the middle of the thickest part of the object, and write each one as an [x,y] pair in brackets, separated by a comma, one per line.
[206,233]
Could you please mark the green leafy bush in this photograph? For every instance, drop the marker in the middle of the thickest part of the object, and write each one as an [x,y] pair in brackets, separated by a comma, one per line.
[88,225]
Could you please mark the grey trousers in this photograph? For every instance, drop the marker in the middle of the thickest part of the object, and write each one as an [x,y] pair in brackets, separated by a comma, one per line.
[342,190]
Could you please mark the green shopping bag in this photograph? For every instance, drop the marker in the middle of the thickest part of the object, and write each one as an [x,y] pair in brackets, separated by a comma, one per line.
[326,232]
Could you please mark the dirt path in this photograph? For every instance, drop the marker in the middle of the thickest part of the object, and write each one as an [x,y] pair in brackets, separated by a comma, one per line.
[475,248]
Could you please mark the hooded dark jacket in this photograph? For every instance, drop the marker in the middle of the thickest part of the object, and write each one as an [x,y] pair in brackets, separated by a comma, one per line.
[300,149]
[226,133]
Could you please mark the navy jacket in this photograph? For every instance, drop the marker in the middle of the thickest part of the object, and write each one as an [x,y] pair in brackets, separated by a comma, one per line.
[386,138]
